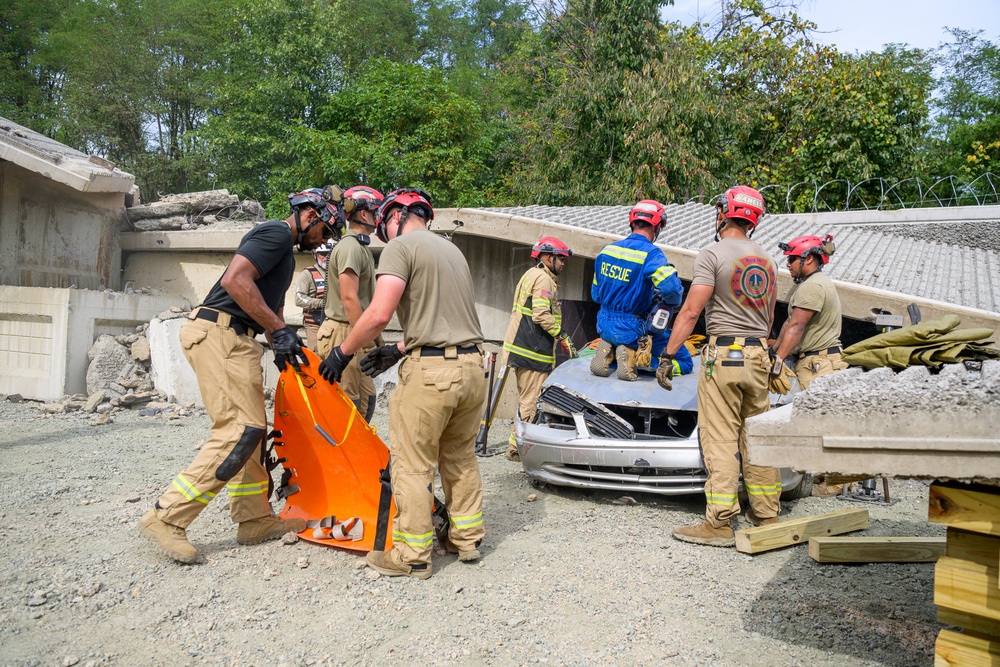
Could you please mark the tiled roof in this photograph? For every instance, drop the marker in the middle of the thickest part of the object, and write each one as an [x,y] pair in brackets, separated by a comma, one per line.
[929,261]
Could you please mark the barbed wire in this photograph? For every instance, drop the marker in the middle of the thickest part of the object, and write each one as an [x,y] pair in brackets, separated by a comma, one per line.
[877,194]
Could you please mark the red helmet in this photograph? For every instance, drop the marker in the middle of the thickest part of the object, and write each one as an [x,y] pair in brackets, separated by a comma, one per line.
[408,198]
[365,198]
[552,246]
[743,202]
[803,246]
[649,211]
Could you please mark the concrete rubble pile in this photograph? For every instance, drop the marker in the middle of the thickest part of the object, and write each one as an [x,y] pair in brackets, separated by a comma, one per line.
[191,210]
[119,377]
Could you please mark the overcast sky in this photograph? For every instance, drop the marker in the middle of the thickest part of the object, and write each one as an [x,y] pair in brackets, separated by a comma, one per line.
[866,25]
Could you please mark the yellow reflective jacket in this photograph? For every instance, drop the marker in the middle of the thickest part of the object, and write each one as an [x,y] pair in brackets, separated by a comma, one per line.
[535,322]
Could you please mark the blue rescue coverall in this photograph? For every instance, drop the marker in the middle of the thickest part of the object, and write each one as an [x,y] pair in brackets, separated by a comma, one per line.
[627,275]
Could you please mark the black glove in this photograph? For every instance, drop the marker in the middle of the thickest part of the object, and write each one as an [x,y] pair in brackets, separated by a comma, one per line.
[665,372]
[380,360]
[287,347]
[333,366]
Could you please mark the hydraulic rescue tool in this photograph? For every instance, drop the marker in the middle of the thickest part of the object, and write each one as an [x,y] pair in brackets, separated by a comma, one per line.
[498,377]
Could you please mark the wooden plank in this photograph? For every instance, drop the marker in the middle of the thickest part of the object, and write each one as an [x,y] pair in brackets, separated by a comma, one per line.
[980,624]
[844,479]
[967,587]
[876,549]
[975,547]
[973,508]
[798,531]
[954,649]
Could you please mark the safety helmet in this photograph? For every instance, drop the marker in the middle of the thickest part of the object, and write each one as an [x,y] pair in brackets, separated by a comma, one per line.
[649,211]
[743,202]
[313,198]
[323,249]
[365,198]
[803,246]
[409,199]
[552,246]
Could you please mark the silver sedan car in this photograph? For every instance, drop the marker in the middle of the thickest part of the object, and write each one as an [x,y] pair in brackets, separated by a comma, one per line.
[604,433]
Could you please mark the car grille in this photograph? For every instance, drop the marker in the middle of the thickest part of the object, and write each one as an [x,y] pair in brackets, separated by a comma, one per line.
[653,480]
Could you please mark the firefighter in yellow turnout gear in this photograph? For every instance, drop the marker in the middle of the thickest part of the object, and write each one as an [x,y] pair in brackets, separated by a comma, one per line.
[736,280]
[535,328]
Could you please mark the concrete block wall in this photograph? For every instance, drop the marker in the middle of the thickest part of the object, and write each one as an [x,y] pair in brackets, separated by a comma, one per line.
[45,334]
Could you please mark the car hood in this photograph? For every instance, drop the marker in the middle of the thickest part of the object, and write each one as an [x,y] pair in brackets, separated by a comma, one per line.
[643,393]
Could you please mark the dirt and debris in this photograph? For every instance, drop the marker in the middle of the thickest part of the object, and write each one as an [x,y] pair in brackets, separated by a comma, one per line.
[194,210]
[568,578]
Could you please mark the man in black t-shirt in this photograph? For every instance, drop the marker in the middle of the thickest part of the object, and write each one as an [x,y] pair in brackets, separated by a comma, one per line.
[219,341]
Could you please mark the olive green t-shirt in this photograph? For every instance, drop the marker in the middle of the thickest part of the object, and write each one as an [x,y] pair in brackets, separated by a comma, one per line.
[818,294]
[438,306]
[744,277]
[349,254]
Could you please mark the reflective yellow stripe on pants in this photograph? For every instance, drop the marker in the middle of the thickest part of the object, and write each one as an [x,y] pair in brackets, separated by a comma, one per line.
[187,490]
[246,489]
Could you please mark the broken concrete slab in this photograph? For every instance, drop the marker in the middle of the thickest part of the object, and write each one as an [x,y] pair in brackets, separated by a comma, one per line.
[95,399]
[911,423]
[107,358]
[140,349]
[189,203]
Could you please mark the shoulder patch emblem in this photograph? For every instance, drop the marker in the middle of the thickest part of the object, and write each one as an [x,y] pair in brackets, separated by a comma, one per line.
[752,281]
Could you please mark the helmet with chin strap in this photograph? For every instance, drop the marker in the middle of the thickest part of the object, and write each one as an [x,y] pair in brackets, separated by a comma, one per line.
[648,211]
[803,246]
[550,245]
[743,202]
[327,212]
[409,200]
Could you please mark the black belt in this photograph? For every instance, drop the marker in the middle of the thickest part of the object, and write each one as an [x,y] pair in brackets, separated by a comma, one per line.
[234,324]
[729,340]
[426,351]
[830,350]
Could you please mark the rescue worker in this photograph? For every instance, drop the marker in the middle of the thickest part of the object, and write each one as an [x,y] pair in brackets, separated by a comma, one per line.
[810,337]
[628,276]
[350,285]
[435,410]
[535,328]
[219,342]
[310,289]
[736,281]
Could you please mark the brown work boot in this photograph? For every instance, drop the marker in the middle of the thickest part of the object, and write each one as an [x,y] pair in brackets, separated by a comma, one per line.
[625,356]
[171,540]
[600,363]
[755,520]
[464,555]
[383,563]
[267,528]
[512,454]
[705,533]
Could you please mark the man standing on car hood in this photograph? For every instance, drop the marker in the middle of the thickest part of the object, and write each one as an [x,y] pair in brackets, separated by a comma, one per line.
[736,280]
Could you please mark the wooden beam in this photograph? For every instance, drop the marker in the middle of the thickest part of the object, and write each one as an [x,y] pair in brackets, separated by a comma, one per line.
[967,587]
[876,549]
[972,508]
[954,649]
[798,531]
[980,624]
[974,547]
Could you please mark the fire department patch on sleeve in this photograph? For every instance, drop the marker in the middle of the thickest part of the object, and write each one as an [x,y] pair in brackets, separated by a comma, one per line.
[752,281]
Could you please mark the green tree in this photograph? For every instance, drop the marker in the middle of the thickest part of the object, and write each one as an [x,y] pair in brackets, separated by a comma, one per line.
[412,129]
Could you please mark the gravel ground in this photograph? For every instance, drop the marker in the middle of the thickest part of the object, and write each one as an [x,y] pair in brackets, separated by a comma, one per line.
[567,577]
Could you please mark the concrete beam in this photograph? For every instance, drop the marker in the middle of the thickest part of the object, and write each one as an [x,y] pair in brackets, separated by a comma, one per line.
[72,171]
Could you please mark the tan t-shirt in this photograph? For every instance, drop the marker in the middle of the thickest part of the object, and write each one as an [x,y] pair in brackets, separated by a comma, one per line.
[438,306]
[349,254]
[744,277]
[817,293]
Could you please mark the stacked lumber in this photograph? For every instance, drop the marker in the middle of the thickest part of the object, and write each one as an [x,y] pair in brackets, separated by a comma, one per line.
[966,582]
[191,210]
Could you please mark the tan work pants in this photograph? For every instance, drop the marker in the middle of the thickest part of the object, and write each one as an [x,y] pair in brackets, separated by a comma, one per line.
[529,387]
[434,416]
[359,387]
[232,387]
[312,335]
[729,391]
[816,365]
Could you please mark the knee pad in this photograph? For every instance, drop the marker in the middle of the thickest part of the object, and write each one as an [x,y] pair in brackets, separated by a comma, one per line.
[244,449]
[370,412]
